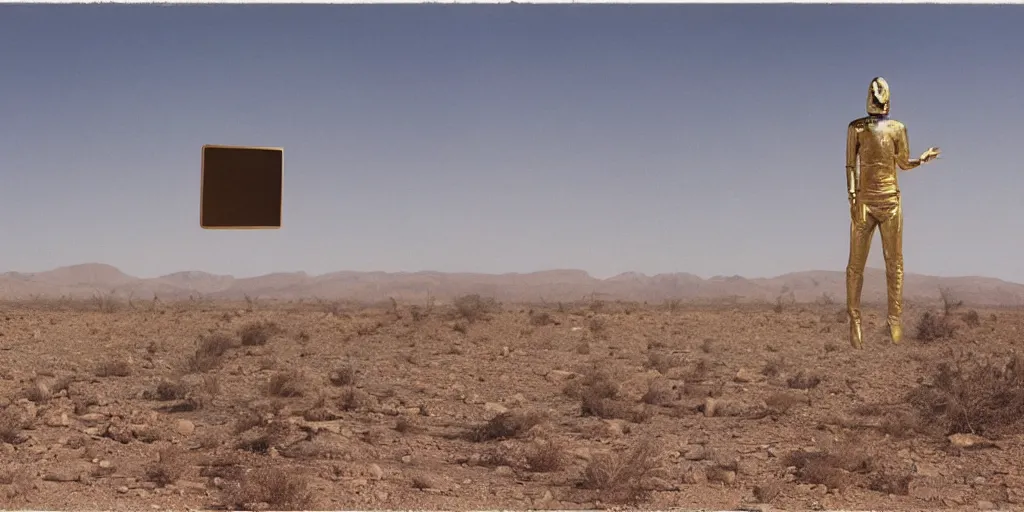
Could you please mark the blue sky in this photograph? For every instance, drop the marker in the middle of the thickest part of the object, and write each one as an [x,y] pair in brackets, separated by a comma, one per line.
[662,138]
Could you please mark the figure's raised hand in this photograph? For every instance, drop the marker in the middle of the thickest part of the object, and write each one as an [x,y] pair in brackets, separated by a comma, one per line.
[930,155]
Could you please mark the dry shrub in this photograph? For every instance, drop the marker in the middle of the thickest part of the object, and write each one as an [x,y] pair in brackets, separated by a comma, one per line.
[972,319]
[836,468]
[901,425]
[660,392]
[406,425]
[596,382]
[258,333]
[699,372]
[803,380]
[541,318]
[598,393]
[353,399]
[545,456]
[619,477]
[474,307]
[114,368]
[868,410]
[507,425]
[268,435]
[773,367]
[609,408]
[319,411]
[343,375]
[891,483]
[169,468]
[17,479]
[933,327]
[598,326]
[504,454]
[209,353]
[287,384]
[11,426]
[168,390]
[767,493]
[969,396]
[781,403]
[662,362]
[277,488]
[38,392]
[708,346]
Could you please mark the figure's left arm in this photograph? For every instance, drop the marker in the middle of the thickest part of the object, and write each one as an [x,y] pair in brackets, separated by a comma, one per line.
[903,159]
[902,144]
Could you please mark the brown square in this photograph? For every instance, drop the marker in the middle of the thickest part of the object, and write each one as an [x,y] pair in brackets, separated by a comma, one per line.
[241,187]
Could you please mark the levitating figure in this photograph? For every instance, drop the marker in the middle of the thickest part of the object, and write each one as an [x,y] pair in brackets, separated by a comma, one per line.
[880,145]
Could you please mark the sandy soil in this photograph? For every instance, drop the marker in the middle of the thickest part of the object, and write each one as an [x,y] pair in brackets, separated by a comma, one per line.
[544,407]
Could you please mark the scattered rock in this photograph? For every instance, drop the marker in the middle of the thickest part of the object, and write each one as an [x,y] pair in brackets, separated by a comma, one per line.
[695,477]
[710,405]
[184,427]
[559,376]
[744,376]
[503,471]
[986,505]
[970,441]
[495,407]
[695,453]
[376,472]
[927,470]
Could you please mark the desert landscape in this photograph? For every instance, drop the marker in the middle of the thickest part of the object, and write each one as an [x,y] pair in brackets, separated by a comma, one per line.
[553,390]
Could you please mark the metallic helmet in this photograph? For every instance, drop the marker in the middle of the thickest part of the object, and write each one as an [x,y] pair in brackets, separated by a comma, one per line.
[878,97]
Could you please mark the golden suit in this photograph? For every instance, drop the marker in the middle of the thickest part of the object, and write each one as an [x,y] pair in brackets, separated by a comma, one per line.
[879,144]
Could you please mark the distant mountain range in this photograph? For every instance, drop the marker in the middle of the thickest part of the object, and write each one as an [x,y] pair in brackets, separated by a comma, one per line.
[90,279]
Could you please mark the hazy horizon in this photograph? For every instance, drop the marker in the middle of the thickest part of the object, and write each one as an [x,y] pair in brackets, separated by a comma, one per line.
[706,139]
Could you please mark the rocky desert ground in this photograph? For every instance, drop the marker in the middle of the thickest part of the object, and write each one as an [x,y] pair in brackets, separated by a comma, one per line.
[476,404]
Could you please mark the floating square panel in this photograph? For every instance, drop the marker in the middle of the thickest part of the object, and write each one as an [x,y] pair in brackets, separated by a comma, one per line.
[241,187]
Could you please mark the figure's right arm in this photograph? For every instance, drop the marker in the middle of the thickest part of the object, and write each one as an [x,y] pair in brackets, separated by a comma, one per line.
[851,161]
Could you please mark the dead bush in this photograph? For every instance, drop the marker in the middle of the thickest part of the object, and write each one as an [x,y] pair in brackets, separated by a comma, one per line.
[933,327]
[169,468]
[836,468]
[781,403]
[891,483]
[343,375]
[258,333]
[972,319]
[11,426]
[803,380]
[18,479]
[596,381]
[168,390]
[114,368]
[971,396]
[353,399]
[662,362]
[620,477]
[474,307]
[276,487]
[287,384]
[209,353]
[699,372]
[660,392]
[545,456]
[901,425]
[767,493]
[507,425]
[773,367]
[541,318]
